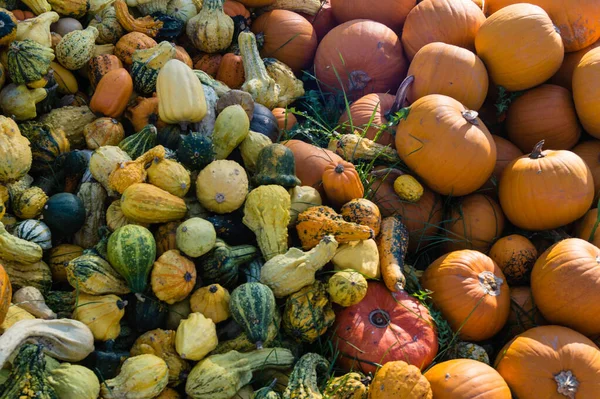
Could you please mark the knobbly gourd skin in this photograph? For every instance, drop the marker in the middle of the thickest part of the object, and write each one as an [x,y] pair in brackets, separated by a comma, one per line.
[36,274]
[347,386]
[28,374]
[304,380]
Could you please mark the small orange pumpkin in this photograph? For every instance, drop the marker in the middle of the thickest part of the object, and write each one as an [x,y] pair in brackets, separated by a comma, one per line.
[589,151]
[173,277]
[587,224]
[5,293]
[389,12]
[112,93]
[515,255]
[369,114]
[564,76]
[209,63]
[285,120]
[231,71]
[342,183]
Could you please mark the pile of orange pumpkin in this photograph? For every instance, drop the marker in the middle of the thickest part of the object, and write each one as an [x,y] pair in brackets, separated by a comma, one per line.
[419,181]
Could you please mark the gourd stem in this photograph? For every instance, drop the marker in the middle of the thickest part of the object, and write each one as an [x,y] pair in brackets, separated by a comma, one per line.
[400,96]
[471,117]
[566,384]
[537,151]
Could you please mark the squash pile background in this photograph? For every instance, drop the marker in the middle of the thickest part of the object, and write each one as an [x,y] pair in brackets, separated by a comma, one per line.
[338,199]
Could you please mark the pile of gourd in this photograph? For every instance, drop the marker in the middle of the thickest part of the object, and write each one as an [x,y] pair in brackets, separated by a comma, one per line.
[168,230]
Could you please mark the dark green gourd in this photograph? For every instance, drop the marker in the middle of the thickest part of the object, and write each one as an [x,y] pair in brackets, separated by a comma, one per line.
[252,306]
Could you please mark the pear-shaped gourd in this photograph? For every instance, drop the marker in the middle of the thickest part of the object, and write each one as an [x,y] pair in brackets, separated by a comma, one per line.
[38,28]
[71,381]
[276,165]
[19,101]
[15,153]
[146,65]
[211,31]
[76,48]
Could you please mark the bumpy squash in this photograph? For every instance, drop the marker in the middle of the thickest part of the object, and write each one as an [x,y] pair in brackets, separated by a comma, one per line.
[103,161]
[142,376]
[173,277]
[308,313]
[15,153]
[170,176]
[222,186]
[130,173]
[21,275]
[28,61]
[72,120]
[347,287]
[100,65]
[211,30]
[76,48]
[347,386]
[305,377]
[392,245]
[364,212]
[196,337]
[71,381]
[93,275]
[180,94]
[212,301]
[398,379]
[145,203]
[28,375]
[29,204]
[102,314]
[252,306]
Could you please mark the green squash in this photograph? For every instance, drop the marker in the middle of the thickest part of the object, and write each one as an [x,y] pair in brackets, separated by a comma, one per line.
[252,306]
[28,376]
[140,142]
[311,369]
[352,386]
[148,314]
[132,252]
[276,165]
[61,302]
[109,28]
[28,61]
[64,213]
[221,265]
[195,151]
[34,231]
[146,65]
[76,48]
[170,136]
[47,143]
[93,275]
[242,342]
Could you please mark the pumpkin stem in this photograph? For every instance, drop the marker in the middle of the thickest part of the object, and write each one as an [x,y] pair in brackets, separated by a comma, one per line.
[471,117]
[566,384]
[400,96]
[339,168]
[212,289]
[379,318]
[537,151]
[490,283]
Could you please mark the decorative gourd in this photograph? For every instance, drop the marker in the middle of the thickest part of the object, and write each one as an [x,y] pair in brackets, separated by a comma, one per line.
[208,63]
[170,176]
[130,42]
[28,375]
[220,88]
[67,83]
[64,213]
[221,265]
[32,300]
[362,211]
[222,186]
[308,313]
[275,165]
[76,48]
[100,49]
[195,237]
[140,142]
[302,197]
[259,84]
[398,379]
[72,120]
[112,93]
[59,258]
[94,200]
[231,128]
[342,183]
[288,273]
[34,231]
[20,102]
[93,275]
[15,153]
[132,251]
[143,376]
[146,65]
[252,306]
[144,112]
[21,275]
[180,94]
[251,147]
[71,381]
[231,70]
[221,376]
[103,131]
[291,87]
[212,301]
[195,150]
[211,30]
[109,28]
[267,214]
[145,203]
[263,121]
[13,316]
[146,313]
[392,245]
[353,147]
[103,162]
[173,277]
[100,65]
[28,61]
[347,287]
[515,255]
[9,27]
[16,249]
[128,173]
[505,61]
[196,337]
[183,10]
[74,9]
[304,380]
[47,144]
[29,203]
[242,342]
[146,25]
[101,313]
[584,86]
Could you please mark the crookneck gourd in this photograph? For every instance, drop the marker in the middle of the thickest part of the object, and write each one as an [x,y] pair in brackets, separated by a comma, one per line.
[259,84]
[146,25]
[291,87]
[129,173]
[304,381]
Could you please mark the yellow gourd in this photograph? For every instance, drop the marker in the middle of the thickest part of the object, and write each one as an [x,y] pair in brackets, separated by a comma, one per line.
[15,154]
[141,377]
[362,256]
[169,175]
[408,188]
[196,337]
[231,128]
[212,301]
[180,94]
[20,102]
[211,30]
[129,173]
[38,28]
[222,186]
[259,84]
[101,313]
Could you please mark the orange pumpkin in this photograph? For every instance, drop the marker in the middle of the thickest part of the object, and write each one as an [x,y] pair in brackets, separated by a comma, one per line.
[585,226]
[515,63]
[589,151]
[562,362]
[515,255]
[100,65]
[323,21]
[565,282]
[130,42]
[144,112]
[586,87]
[564,76]
[209,63]
[394,380]
[535,188]
[112,93]
[285,120]
[506,152]
[475,222]
[341,183]
[235,8]
[231,70]
[362,57]
[368,115]
[466,379]
[471,291]
[450,21]
[544,113]
[446,145]
[182,55]
[364,212]
[5,293]
[256,3]
[523,312]
[439,68]
[288,36]
[391,13]
[173,277]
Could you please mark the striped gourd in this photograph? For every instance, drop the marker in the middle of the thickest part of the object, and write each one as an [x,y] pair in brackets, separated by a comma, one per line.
[140,142]
[47,143]
[28,61]
[34,231]
[93,275]
[147,64]
[21,275]
[76,48]
[132,252]
[252,306]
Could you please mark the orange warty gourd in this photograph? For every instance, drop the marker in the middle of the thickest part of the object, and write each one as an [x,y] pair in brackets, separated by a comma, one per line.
[515,255]
[534,189]
[369,115]
[362,57]
[398,380]
[471,291]
[544,113]
[586,86]
[450,21]
[130,42]
[585,227]
[550,362]
[523,312]
[391,13]
[112,93]
[209,63]
[439,68]
[466,379]
[475,222]
[564,76]
[515,63]
[342,183]
[5,293]
[565,282]
[589,151]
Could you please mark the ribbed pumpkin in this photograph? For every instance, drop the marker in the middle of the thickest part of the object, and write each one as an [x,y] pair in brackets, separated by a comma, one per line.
[564,282]
[28,61]
[585,88]
[342,183]
[506,152]
[212,301]
[391,13]
[399,380]
[544,113]
[5,293]
[173,277]
[112,93]
[364,55]
[471,291]
[563,363]
[512,62]
[524,314]
[589,151]
[450,21]
[535,188]
[465,379]
[515,255]
[564,76]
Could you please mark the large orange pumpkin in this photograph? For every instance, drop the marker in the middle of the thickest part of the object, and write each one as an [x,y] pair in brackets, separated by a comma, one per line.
[589,151]
[288,36]
[449,21]
[5,293]
[446,145]
[341,183]
[586,86]
[323,21]
[466,379]
[362,57]
[506,152]
[565,282]
[515,255]
[475,222]
[471,291]
[586,225]
[523,312]
[546,189]
[550,362]
[564,76]
[389,12]
[368,115]
[514,62]
[544,113]
[578,21]
[439,68]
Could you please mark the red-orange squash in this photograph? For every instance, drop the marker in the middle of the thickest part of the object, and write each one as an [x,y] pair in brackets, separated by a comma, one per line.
[391,13]
[182,55]
[341,183]
[544,113]
[589,151]
[5,293]
[564,76]
[231,71]
[471,291]
[563,363]
[565,282]
[285,119]
[523,312]
[450,21]
[112,93]
[130,42]
[323,21]
[360,57]
[515,255]
[586,86]
[368,115]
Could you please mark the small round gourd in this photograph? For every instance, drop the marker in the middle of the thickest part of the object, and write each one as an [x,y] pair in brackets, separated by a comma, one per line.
[64,213]
[34,231]
[222,186]
[276,165]
[30,203]
[408,188]
[173,277]
[212,301]
[347,287]
[195,237]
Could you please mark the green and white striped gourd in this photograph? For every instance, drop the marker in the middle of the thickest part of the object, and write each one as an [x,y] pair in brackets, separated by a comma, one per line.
[34,231]
[252,306]
[28,61]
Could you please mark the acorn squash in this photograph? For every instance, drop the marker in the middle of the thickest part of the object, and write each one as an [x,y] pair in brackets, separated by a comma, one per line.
[195,150]
[252,306]
[64,213]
